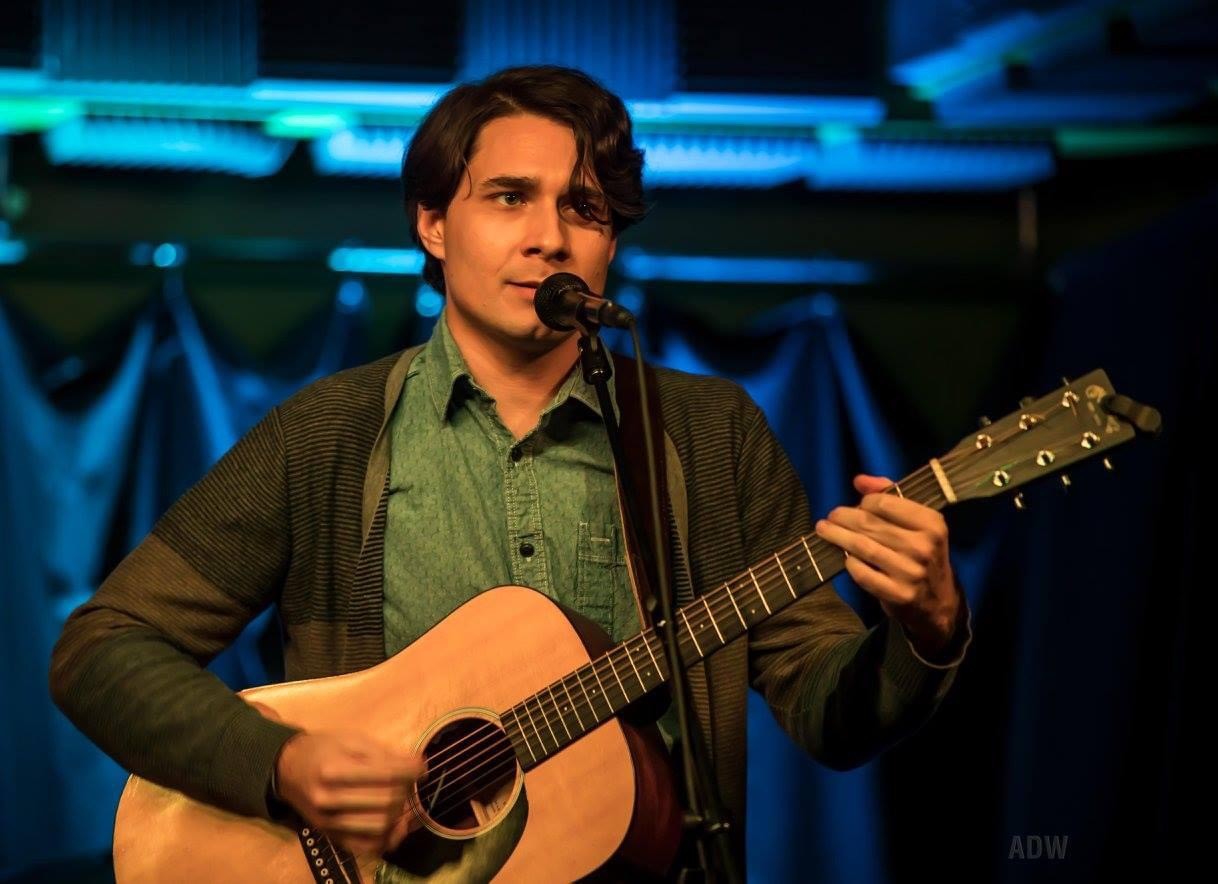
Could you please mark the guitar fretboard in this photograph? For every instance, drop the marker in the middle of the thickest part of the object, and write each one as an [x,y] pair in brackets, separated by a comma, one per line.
[564,711]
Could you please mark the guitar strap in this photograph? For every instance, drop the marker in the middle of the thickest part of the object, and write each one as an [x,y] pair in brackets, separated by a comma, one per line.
[642,557]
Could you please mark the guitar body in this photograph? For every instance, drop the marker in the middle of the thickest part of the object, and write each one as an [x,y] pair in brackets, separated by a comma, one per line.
[609,795]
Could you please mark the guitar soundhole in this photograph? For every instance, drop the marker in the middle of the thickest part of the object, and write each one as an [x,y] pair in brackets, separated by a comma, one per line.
[471,776]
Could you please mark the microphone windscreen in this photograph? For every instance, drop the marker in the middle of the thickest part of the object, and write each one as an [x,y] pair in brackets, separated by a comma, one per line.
[550,302]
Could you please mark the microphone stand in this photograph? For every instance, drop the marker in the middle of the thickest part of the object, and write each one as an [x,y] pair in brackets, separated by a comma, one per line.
[705,813]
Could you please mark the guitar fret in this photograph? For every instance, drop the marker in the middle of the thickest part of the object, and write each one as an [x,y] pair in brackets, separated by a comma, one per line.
[561,717]
[574,708]
[523,735]
[732,599]
[808,549]
[601,685]
[541,710]
[654,662]
[759,592]
[621,687]
[691,635]
[529,713]
[712,620]
[630,657]
[587,698]
[784,576]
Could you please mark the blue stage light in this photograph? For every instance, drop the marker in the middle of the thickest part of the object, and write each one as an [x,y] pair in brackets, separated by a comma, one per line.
[907,165]
[170,144]
[353,95]
[428,302]
[168,255]
[404,262]
[351,295]
[758,112]
[12,251]
[362,152]
[639,265]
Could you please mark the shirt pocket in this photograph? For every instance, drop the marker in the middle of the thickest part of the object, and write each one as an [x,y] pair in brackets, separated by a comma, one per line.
[601,590]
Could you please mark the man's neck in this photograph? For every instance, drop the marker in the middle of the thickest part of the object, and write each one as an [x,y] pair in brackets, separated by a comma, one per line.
[522,382]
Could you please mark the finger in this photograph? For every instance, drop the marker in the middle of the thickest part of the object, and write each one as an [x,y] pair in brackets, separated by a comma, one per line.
[904,512]
[407,765]
[865,484]
[877,549]
[876,583]
[370,751]
[876,526]
[347,800]
[374,826]
[372,773]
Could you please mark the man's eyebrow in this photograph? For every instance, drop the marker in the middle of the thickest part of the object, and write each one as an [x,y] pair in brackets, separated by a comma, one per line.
[527,183]
[510,182]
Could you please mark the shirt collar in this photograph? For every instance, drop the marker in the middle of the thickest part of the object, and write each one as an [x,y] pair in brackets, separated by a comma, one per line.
[448,380]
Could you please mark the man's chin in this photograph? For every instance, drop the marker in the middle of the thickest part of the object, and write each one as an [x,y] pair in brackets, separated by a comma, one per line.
[541,337]
[531,337]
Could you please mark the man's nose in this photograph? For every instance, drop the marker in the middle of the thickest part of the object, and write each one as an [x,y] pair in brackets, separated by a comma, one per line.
[546,234]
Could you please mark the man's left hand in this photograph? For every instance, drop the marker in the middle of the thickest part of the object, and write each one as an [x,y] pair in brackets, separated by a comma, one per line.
[898,553]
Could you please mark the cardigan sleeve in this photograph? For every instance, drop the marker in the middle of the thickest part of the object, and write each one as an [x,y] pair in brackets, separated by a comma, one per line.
[842,691]
[128,668]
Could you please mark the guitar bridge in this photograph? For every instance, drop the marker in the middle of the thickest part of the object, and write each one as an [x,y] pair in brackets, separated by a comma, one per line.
[328,862]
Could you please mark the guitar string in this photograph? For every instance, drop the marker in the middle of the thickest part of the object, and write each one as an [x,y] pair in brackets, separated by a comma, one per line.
[502,764]
[764,572]
[555,711]
[552,710]
[921,480]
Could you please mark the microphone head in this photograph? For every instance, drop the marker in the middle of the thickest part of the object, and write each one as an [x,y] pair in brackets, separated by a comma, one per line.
[550,300]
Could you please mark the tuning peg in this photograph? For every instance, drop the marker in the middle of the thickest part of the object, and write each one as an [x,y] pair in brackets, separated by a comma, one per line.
[1108,465]
[983,421]
[1026,402]
[1065,481]
[1019,504]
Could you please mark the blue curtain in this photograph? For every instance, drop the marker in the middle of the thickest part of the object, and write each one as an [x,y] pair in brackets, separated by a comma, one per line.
[60,488]
[79,482]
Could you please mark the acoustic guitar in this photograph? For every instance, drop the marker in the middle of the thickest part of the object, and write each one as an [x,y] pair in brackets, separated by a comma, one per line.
[532,772]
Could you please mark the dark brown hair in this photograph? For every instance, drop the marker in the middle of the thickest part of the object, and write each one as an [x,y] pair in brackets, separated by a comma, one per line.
[439,152]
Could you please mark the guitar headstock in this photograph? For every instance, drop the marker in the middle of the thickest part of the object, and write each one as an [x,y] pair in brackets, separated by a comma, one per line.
[1075,422]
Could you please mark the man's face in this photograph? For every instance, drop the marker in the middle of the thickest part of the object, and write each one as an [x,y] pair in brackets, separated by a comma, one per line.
[511,224]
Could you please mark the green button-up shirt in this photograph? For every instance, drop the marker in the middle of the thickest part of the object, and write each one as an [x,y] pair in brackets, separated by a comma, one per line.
[471,507]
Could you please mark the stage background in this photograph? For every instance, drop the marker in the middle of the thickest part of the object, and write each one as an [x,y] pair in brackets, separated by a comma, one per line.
[883,218]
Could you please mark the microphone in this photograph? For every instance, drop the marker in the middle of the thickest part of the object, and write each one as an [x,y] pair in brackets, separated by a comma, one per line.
[563,302]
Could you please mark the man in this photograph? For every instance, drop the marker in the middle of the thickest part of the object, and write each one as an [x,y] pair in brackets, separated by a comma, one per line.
[374,502]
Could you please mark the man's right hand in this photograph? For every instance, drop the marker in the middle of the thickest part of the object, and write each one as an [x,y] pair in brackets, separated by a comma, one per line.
[349,786]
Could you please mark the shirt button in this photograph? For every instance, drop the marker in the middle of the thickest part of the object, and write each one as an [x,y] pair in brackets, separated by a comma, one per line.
[526,549]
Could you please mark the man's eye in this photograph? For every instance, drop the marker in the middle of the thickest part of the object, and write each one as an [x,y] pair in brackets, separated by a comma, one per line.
[508,196]
[588,209]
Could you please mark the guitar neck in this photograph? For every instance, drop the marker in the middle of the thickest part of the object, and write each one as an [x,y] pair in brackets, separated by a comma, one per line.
[563,711]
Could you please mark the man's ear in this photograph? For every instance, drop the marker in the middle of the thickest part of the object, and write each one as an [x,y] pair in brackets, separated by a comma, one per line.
[430,225]
[612,248]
